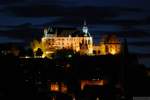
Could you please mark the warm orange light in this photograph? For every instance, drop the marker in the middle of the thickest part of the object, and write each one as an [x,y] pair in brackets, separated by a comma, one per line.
[54,87]
[110,45]
[113,51]
[63,88]
[52,43]
[103,49]
[97,98]
[58,87]
[91,82]
[35,45]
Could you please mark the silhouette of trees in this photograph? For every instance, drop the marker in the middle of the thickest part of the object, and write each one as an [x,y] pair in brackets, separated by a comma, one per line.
[29,52]
[64,53]
[22,52]
[39,52]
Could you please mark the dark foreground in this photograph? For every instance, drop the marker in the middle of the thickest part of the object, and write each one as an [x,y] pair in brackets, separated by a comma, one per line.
[32,79]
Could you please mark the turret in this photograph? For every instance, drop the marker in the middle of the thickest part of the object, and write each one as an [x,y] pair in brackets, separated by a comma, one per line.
[85,28]
[45,32]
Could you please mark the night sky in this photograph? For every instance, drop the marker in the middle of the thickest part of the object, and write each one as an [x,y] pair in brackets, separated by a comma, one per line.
[102,16]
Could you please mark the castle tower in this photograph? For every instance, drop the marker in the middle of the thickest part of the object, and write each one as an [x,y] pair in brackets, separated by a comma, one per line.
[50,29]
[45,32]
[85,28]
[87,40]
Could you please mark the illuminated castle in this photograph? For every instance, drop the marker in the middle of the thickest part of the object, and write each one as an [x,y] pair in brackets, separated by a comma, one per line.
[71,39]
[78,40]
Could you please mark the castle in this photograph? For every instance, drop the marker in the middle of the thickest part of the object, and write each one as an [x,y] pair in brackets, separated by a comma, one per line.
[78,40]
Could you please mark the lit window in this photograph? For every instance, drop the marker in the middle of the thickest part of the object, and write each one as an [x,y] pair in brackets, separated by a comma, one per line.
[54,87]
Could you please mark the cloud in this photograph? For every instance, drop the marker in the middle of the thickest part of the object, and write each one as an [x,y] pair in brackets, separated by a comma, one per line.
[34,11]
[94,15]
[25,32]
[4,39]
[140,44]
[30,2]
[42,10]
[7,2]
[94,20]
[104,19]
[73,15]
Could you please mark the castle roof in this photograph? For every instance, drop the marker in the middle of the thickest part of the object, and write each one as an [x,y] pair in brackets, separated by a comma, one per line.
[65,32]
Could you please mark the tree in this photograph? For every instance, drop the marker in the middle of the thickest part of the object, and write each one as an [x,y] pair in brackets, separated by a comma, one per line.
[39,52]
[64,53]
[22,52]
[29,52]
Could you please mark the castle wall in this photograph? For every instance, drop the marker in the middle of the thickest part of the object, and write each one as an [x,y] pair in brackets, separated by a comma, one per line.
[51,44]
